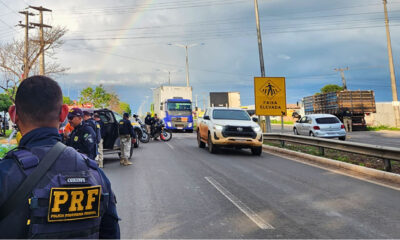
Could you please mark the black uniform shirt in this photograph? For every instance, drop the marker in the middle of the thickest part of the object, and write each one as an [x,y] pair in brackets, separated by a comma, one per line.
[126,128]
[96,128]
[83,140]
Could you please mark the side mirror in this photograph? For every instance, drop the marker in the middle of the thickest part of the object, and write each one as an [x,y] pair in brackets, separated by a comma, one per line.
[206,117]
[255,119]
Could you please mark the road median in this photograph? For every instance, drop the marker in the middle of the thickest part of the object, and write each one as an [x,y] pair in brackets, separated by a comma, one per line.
[374,173]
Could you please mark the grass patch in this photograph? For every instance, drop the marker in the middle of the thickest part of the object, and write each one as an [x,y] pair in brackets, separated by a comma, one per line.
[382,127]
[279,122]
[4,148]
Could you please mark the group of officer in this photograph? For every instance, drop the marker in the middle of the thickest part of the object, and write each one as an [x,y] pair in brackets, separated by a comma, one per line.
[88,135]
[49,190]
[150,122]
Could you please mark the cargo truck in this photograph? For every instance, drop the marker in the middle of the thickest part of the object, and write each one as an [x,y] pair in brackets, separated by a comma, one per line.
[358,103]
[173,104]
[225,99]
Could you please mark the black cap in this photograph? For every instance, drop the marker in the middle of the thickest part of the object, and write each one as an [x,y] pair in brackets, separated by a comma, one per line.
[75,112]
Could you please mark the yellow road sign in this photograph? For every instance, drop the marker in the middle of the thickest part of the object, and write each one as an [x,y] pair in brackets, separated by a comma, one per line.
[270,96]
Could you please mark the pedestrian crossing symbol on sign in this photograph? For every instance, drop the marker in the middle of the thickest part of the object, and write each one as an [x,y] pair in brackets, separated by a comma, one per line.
[270,96]
[270,90]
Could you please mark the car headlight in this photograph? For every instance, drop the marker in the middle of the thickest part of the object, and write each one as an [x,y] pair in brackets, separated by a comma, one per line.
[190,125]
[257,129]
[218,127]
[169,124]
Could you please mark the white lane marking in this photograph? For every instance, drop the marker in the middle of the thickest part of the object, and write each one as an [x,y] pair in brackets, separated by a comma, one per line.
[330,170]
[239,204]
[169,145]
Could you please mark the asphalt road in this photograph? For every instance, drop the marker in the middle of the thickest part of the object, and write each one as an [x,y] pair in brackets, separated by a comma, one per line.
[177,190]
[382,138]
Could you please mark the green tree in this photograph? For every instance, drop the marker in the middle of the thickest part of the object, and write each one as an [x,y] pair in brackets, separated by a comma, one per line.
[86,95]
[101,98]
[331,88]
[124,107]
[5,103]
[67,100]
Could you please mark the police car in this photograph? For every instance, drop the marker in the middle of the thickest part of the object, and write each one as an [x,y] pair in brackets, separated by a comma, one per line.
[111,141]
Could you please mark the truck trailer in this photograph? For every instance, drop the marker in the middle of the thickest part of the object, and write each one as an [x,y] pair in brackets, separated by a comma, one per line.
[173,104]
[358,103]
[225,99]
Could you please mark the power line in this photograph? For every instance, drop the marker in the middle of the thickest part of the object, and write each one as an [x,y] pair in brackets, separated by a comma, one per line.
[12,10]
[221,34]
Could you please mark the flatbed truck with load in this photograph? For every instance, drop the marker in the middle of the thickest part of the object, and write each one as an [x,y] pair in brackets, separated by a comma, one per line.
[358,103]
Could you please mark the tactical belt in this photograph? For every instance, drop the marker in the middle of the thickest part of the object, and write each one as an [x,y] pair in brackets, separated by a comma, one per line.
[25,188]
[68,235]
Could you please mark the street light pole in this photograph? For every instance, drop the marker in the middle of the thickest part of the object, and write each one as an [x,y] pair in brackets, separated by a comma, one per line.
[187,66]
[186,47]
[260,52]
[391,67]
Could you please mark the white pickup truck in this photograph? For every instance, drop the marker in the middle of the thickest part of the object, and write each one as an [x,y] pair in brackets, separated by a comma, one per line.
[229,127]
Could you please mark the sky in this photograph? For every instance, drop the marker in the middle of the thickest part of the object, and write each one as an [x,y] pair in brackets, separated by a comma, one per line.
[128,45]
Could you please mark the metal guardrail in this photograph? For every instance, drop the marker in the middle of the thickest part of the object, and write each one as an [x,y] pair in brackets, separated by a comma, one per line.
[388,154]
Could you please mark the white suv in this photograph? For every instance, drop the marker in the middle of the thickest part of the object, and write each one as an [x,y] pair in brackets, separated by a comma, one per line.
[229,127]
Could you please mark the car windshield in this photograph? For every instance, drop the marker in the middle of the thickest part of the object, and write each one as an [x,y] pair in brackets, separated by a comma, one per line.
[118,117]
[327,120]
[179,106]
[231,114]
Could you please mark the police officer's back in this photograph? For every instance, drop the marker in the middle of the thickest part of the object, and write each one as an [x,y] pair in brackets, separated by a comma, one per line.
[126,132]
[74,198]
[83,137]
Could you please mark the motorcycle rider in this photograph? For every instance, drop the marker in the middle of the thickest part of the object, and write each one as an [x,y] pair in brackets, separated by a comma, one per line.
[147,121]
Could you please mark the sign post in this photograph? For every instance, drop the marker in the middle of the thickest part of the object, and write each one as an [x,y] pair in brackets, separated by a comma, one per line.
[270,96]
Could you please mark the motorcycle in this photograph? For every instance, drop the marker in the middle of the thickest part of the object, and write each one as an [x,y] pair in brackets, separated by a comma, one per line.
[159,130]
[143,135]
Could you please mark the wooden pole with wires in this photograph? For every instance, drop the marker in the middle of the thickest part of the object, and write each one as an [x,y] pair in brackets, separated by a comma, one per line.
[26,50]
[41,35]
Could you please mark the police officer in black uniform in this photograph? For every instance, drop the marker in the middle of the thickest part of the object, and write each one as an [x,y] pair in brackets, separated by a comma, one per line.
[88,120]
[48,190]
[82,138]
[100,123]
[147,121]
[126,133]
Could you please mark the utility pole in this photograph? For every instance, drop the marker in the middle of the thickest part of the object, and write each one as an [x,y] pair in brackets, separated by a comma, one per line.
[169,74]
[26,53]
[341,70]
[41,33]
[260,52]
[391,67]
[186,47]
